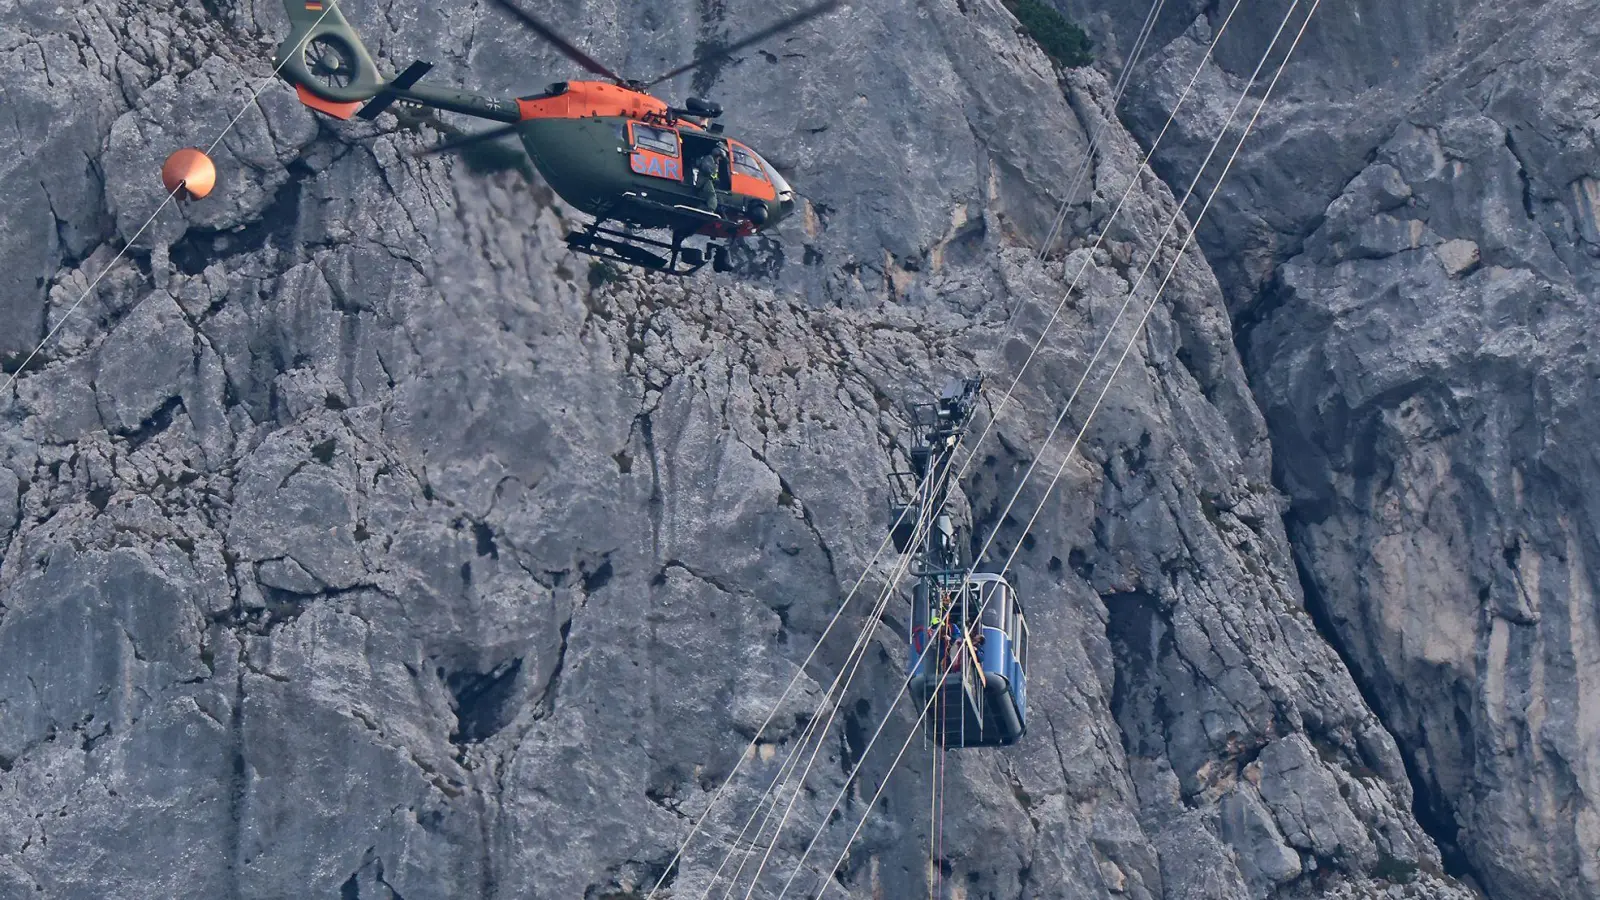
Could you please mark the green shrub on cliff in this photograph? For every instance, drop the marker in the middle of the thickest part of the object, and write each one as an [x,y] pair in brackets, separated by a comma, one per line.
[1061,40]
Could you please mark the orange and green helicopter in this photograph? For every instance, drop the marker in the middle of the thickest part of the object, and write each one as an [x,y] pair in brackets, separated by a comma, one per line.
[608,148]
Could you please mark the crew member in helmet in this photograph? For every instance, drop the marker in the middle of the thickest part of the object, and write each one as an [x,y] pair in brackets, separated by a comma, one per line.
[706,169]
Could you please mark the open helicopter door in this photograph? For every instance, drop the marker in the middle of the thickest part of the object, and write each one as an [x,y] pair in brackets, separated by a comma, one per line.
[696,146]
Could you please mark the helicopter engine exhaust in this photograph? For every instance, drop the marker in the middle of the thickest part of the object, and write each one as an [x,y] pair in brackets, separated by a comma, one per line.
[703,108]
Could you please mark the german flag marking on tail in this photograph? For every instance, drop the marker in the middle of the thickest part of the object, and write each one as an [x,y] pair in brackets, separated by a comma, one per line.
[314,5]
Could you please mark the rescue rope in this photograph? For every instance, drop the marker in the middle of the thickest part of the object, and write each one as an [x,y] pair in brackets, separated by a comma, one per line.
[933,816]
[939,768]
[332,5]
[1133,339]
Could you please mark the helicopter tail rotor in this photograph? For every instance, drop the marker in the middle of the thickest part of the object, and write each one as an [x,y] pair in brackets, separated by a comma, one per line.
[325,60]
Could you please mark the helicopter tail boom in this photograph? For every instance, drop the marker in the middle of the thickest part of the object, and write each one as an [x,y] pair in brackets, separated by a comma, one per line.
[324,59]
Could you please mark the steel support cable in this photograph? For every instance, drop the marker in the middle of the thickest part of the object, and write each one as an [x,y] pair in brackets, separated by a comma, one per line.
[1172,269]
[925,520]
[695,828]
[1123,78]
[1128,192]
[1288,16]
[827,879]
[781,780]
[1133,289]
[1088,156]
[836,694]
[332,5]
[1133,182]
[778,704]
[850,778]
[820,735]
[925,490]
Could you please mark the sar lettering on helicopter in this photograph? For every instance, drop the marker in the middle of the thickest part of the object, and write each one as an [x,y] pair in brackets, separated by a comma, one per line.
[609,148]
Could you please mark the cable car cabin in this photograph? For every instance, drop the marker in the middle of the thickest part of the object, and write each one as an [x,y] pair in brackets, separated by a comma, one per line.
[978,689]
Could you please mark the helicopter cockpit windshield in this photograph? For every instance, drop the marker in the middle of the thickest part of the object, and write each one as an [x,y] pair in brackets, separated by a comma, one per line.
[785,192]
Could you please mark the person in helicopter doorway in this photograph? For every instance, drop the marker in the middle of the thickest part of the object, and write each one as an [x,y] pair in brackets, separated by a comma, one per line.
[706,169]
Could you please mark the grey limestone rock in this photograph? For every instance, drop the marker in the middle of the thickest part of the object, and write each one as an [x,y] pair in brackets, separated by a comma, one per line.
[1407,246]
[374,545]
[1265,859]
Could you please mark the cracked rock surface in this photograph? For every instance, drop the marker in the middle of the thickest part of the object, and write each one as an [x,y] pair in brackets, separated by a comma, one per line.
[359,541]
[1409,250]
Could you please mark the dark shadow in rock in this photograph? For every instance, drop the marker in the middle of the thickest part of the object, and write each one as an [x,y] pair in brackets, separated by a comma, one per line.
[482,701]
[201,247]
[1433,809]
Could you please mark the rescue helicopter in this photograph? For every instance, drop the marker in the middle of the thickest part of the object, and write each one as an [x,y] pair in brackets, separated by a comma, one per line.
[608,148]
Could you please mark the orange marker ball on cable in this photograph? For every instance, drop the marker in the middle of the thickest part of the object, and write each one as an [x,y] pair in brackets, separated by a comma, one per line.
[189,172]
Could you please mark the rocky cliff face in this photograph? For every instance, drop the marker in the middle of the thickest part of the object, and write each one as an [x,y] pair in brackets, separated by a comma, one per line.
[360,541]
[1410,256]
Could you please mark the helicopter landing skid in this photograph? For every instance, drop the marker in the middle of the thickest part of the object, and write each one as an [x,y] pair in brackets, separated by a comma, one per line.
[631,249]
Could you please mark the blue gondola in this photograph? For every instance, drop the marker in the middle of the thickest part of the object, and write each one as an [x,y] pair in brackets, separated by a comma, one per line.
[969,640]
[976,693]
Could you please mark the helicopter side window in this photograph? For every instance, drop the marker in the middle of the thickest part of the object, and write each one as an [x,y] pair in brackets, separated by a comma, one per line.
[658,140]
[744,162]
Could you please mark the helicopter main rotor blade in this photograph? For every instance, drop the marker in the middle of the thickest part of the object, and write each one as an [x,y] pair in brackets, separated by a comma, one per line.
[560,43]
[468,140]
[721,53]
